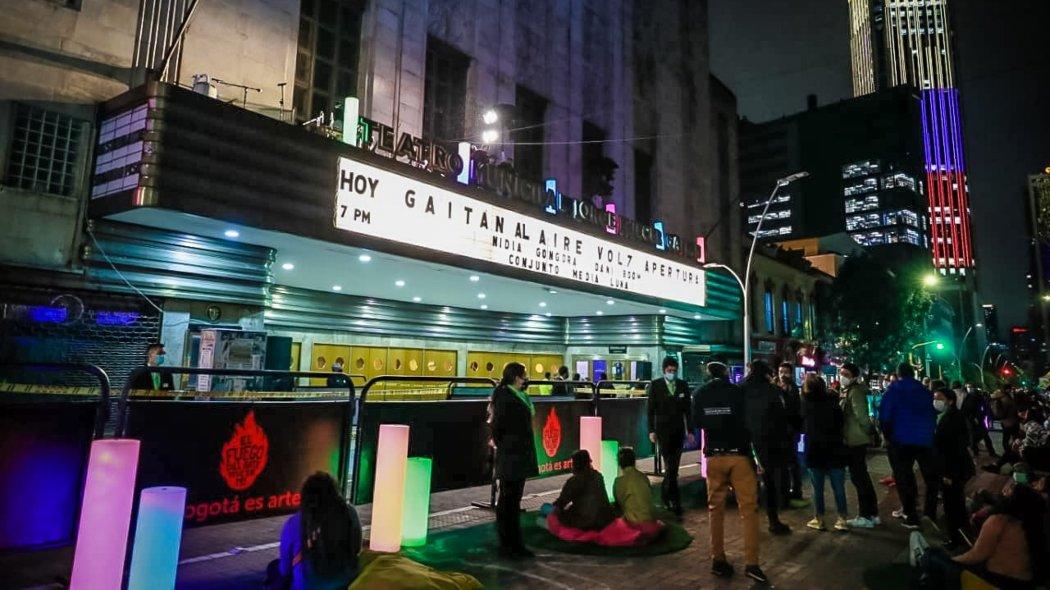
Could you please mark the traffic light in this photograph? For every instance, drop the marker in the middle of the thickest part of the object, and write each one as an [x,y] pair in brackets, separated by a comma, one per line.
[939,346]
[1006,372]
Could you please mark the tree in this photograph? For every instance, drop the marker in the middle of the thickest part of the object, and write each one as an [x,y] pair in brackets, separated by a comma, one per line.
[874,315]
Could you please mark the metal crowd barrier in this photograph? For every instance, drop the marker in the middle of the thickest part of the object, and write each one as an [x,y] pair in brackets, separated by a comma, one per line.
[102,415]
[356,464]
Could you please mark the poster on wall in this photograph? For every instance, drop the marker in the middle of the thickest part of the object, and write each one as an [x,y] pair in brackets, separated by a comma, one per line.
[381,204]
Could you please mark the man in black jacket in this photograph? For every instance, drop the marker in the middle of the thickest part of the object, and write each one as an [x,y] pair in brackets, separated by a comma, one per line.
[792,476]
[974,408]
[718,408]
[950,440]
[767,422]
[670,424]
[154,380]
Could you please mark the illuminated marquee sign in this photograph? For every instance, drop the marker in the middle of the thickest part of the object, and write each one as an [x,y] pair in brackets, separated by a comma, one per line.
[382,204]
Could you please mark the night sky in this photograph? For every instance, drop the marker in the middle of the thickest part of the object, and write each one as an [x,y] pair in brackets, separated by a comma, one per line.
[772,53]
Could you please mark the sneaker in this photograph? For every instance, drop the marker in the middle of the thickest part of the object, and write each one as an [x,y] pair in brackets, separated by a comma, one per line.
[910,523]
[755,573]
[779,528]
[722,569]
[817,525]
[875,520]
[917,545]
[798,502]
[841,525]
[898,513]
[860,523]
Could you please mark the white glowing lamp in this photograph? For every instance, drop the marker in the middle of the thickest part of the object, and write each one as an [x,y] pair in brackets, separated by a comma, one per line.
[388,497]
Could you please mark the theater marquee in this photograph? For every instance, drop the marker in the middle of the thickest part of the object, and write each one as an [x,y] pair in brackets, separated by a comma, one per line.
[382,204]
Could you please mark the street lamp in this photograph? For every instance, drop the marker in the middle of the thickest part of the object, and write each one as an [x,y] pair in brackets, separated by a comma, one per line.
[745,285]
[930,280]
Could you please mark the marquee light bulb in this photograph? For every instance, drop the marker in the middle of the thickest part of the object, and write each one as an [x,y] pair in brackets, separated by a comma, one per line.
[489,136]
[490,117]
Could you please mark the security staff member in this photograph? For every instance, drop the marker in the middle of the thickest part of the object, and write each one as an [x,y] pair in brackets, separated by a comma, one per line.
[718,408]
[154,380]
[670,424]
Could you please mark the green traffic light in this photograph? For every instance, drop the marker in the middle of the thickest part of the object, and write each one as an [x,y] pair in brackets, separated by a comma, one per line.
[940,346]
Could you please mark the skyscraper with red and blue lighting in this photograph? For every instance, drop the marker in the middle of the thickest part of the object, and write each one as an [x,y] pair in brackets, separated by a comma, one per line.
[895,42]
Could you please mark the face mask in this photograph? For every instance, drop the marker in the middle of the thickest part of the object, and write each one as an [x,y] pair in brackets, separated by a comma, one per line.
[939,405]
[670,375]
[1021,477]
[845,381]
[159,360]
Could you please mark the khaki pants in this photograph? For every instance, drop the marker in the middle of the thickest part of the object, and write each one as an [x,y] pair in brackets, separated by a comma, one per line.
[736,471]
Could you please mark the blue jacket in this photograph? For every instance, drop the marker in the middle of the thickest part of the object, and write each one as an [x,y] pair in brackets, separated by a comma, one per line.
[907,415]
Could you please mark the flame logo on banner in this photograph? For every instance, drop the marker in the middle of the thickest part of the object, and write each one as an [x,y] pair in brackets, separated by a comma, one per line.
[244,456]
[552,434]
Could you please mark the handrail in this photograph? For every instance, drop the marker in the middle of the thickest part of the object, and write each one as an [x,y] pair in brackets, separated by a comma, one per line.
[103,379]
[139,371]
[355,466]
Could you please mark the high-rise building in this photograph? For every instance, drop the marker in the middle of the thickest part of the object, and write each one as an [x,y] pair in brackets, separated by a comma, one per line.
[897,42]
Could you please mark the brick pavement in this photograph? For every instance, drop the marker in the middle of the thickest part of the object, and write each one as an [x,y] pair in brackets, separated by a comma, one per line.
[805,559]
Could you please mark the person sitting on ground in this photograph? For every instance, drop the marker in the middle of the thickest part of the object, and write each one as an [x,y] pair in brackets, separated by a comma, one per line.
[1009,551]
[633,495]
[583,503]
[320,543]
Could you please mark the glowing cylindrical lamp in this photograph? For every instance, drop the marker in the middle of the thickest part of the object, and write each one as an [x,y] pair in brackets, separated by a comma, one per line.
[703,457]
[388,497]
[610,466]
[105,515]
[591,438]
[464,154]
[417,502]
[158,533]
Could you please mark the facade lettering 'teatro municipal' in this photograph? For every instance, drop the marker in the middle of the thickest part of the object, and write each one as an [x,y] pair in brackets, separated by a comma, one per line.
[382,204]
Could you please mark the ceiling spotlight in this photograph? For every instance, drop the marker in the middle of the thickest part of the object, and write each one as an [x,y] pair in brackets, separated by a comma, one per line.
[365,258]
[548,314]
[399,283]
[417,299]
[484,306]
[474,278]
[489,136]
[288,266]
[232,233]
[599,312]
[663,311]
[337,287]
[552,291]
[543,304]
[490,117]
[609,302]
[481,295]
[696,316]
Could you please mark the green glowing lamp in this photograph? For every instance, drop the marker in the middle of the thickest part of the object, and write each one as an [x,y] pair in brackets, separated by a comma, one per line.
[416,511]
[610,466]
[940,346]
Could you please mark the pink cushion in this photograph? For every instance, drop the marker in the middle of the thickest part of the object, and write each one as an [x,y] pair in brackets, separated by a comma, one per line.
[618,533]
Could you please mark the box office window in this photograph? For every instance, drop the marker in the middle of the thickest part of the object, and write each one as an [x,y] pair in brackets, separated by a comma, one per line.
[327,55]
[444,92]
[45,151]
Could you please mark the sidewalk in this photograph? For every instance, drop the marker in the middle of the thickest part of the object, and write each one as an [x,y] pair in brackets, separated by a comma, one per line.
[235,556]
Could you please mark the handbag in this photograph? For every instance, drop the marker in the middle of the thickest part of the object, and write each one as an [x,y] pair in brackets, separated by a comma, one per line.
[275,580]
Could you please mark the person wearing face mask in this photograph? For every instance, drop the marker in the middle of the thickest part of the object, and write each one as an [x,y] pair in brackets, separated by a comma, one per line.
[153,380]
[515,460]
[951,443]
[792,476]
[670,424]
[858,433]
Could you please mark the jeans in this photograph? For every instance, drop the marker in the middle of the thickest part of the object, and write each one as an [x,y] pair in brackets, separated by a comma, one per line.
[737,471]
[508,513]
[671,453]
[903,459]
[837,476]
[868,506]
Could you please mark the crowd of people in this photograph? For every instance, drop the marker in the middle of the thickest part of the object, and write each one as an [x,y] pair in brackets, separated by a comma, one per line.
[763,435]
